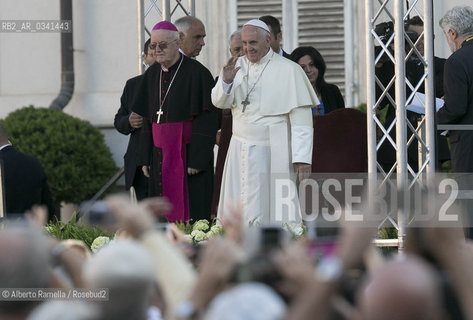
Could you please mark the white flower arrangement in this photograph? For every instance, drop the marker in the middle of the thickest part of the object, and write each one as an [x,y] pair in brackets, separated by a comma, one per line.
[199,236]
[217,229]
[201,225]
[99,243]
[195,232]
[200,231]
[210,234]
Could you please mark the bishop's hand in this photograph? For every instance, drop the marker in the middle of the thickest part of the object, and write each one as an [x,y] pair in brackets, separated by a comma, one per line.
[229,70]
[192,171]
[145,170]
[135,120]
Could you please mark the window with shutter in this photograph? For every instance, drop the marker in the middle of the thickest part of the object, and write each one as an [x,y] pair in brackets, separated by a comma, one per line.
[253,9]
[321,25]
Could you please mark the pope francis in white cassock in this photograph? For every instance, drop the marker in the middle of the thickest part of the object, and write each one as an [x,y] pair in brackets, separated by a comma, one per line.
[270,98]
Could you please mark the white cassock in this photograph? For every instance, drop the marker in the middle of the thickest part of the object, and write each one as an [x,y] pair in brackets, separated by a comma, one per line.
[274,132]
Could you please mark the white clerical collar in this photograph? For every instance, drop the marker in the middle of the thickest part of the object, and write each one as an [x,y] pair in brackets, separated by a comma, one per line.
[265,58]
[5,145]
[194,58]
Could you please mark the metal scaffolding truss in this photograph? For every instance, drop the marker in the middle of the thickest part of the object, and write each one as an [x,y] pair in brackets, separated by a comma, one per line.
[151,11]
[397,48]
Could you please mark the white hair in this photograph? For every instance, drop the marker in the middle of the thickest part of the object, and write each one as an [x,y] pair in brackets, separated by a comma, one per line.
[171,35]
[174,34]
[235,34]
[183,24]
[121,260]
[460,19]
[64,310]
[24,258]
[24,263]
[265,34]
[247,301]
[127,270]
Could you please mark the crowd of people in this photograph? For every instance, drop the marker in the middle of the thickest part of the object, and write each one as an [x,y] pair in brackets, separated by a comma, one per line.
[147,273]
[172,114]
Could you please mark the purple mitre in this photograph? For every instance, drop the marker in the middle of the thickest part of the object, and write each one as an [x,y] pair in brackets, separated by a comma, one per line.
[164,25]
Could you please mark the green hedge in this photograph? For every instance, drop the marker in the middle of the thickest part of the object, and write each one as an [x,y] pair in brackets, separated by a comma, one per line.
[72,152]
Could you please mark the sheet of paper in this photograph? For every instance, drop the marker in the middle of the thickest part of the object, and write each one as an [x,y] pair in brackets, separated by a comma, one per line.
[418,104]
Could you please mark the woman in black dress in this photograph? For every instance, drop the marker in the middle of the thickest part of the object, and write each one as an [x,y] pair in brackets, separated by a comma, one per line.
[314,66]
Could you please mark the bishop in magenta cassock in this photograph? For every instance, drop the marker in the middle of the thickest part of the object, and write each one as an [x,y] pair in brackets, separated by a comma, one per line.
[180,122]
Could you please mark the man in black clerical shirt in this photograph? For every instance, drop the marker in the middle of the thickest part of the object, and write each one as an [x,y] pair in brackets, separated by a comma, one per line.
[130,123]
[179,129]
[415,24]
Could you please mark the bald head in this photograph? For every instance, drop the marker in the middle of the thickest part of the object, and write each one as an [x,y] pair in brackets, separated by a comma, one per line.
[192,34]
[402,289]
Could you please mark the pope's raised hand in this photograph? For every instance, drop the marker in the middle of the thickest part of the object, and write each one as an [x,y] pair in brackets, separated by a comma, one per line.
[229,70]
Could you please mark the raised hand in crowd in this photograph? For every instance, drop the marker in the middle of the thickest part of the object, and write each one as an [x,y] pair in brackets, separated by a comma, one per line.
[232,223]
[296,267]
[137,219]
[37,216]
[217,264]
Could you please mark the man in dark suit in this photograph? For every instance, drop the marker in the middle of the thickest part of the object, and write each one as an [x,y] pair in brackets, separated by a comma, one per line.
[457,24]
[415,24]
[130,123]
[275,34]
[415,70]
[25,182]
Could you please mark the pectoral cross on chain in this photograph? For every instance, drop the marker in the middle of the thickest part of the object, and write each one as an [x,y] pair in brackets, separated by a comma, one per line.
[159,113]
[245,103]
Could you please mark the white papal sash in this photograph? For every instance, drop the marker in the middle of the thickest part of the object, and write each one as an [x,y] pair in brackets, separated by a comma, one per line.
[277,138]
